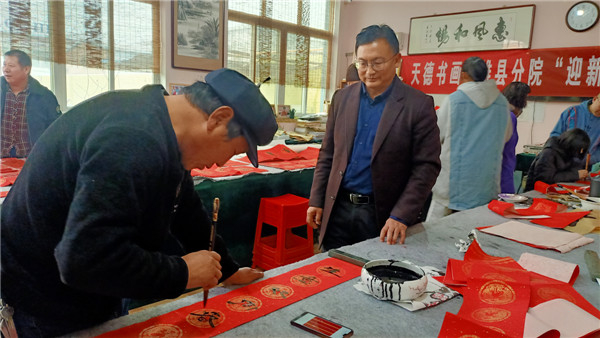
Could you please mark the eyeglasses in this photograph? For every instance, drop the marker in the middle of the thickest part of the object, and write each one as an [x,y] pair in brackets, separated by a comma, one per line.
[376,64]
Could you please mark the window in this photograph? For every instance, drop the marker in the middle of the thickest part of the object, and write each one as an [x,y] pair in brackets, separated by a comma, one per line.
[83,48]
[289,41]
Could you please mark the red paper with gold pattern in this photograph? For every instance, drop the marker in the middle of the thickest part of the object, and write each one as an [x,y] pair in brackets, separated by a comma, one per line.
[540,206]
[455,275]
[498,294]
[457,272]
[455,326]
[475,253]
[497,298]
[242,305]
[544,289]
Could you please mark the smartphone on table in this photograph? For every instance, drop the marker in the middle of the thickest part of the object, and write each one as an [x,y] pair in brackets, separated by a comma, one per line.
[320,326]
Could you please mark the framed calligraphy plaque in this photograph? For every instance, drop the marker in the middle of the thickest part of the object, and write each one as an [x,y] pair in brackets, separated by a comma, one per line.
[490,29]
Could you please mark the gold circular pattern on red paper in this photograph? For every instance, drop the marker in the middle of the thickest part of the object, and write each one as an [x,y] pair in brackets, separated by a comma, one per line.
[497,292]
[498,276]
[305,280]
[277,291]
[497,329]
[161,330]
[469,336]
[466,268]
[549,293]
[490,314]
[205,318]
[244,303]
[331,271]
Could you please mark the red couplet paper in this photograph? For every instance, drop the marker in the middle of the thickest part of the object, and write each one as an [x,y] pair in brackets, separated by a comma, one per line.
[291,165]
[245,304]
[545,188]
[224,171]
[497,297]
[558,218]
[279,155]
[544,289]
[9,170]
[276,153]
[455,326]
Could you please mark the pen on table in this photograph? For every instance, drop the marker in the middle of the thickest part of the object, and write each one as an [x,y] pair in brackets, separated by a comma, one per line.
[213,234]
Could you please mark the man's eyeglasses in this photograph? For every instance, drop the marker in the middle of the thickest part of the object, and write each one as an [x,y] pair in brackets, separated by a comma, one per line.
[376,64]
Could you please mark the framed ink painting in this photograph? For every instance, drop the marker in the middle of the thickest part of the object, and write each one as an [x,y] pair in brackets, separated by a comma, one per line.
[197,34]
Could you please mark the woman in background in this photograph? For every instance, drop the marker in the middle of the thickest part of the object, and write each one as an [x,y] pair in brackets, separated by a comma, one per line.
[516,94]
[559,160]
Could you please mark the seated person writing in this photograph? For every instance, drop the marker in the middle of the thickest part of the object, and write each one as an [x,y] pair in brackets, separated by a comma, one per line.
[559,160]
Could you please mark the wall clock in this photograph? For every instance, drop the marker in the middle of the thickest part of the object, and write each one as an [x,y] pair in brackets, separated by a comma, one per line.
[582,16]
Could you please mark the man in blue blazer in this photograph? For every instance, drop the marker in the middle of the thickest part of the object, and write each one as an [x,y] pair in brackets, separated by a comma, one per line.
[380,154]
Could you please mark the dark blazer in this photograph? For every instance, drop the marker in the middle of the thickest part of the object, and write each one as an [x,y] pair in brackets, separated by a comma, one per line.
[406,153]
[41,105]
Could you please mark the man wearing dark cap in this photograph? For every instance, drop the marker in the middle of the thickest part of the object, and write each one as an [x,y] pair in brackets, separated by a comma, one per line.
[474,125]
[105,208]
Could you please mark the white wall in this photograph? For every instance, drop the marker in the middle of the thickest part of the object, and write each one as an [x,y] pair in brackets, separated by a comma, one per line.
[549,31]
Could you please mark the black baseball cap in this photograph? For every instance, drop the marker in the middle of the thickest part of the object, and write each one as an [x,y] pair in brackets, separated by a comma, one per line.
[251,110]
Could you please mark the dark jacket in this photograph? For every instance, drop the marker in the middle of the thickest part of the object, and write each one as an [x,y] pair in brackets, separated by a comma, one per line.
[552,165]
[406,153]
[94,215]
[41,105]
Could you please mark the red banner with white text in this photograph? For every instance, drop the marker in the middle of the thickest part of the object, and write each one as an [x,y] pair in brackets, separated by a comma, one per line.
[568,72]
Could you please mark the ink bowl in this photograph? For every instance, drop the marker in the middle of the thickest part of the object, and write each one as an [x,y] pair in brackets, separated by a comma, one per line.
[389,279]
[512,198]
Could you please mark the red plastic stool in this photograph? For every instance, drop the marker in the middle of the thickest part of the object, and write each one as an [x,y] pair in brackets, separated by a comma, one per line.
[283,213]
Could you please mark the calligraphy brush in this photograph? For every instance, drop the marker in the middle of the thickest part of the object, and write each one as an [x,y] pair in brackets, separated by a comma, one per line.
[213,234]
[581,197]
[587,161]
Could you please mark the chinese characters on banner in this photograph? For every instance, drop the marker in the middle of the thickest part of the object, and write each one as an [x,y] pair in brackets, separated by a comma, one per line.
[493,29]
[569,72]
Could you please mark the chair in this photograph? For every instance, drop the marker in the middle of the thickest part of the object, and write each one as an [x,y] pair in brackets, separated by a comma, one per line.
[286,215]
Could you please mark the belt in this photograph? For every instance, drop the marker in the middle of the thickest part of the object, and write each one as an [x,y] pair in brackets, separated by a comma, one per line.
[356,198]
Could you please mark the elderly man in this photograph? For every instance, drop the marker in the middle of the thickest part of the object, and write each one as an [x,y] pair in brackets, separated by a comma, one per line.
[474,125]
[380,154]
[105,206]
[27,108]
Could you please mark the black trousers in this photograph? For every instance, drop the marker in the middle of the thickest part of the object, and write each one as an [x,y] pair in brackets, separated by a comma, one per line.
[350,223]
